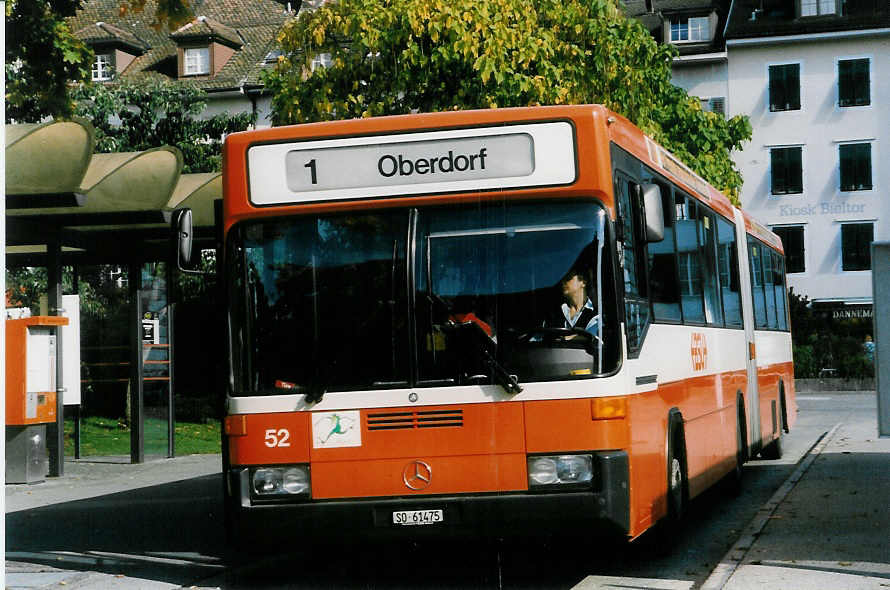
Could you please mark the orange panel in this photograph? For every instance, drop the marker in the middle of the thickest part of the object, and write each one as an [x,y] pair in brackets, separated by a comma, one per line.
[446,475]
[484,429]
[566,425]
[270,439]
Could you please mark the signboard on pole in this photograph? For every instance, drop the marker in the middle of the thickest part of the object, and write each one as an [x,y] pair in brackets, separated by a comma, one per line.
[880,276]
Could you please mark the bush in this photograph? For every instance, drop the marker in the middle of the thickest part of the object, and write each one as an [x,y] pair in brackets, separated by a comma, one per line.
[805,365]
[822,342]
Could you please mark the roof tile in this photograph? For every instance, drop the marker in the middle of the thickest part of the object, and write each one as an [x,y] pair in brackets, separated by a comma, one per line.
[251,26]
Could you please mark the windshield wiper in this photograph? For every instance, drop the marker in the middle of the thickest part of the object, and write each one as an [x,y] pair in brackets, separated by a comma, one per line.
[313,391]
[484,349]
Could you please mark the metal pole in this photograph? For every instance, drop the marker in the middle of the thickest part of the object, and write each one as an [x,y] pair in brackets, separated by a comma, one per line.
[75,286]
[171,308]
[880,276]
[137,438]
[55,432]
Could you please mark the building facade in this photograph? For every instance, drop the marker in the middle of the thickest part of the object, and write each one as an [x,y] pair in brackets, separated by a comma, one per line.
[223,50]
[814,78]
[696,29]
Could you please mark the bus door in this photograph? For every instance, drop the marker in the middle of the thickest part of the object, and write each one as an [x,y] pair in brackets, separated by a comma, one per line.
[752,397]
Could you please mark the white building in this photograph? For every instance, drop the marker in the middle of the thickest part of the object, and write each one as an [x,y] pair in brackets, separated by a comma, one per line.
[695,28]
[814,78]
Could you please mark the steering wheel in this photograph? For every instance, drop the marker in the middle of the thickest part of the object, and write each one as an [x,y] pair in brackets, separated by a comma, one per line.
[551,335]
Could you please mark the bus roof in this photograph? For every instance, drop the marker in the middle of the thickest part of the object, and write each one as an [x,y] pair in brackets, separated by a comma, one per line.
[604,124]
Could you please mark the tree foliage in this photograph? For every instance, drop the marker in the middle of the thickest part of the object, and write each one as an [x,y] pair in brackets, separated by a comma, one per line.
[131,116]
[404,56]
[42,56]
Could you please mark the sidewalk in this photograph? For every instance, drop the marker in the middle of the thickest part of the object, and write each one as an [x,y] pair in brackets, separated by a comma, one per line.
[100,476]
[95,478]
[827,527]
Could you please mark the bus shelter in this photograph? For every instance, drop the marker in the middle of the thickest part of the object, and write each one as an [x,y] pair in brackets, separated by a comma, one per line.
[71,211]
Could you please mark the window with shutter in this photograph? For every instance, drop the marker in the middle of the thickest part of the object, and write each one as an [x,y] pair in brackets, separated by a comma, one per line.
[853,82]
[855,166]
[784,87]
[786,170]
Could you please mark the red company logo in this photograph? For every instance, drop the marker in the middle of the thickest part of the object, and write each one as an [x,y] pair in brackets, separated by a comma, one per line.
[699,350]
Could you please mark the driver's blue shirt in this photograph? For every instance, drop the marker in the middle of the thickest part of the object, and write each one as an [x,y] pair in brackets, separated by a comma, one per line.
[588,310]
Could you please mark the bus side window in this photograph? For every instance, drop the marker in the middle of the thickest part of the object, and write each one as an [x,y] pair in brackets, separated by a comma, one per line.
[768,289]
[689,259]
[728,272]
[707,246]
[779,288]
[755,253]
[636,303]
[663,285]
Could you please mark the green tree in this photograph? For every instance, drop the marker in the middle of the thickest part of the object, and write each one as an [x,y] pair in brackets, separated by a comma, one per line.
[403,56]
[131,116]
[42,56]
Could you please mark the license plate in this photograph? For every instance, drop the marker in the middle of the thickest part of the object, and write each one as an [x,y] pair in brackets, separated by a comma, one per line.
[417,517]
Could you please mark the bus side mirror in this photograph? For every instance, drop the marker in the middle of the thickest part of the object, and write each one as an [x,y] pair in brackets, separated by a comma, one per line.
[181,227]
[654,214]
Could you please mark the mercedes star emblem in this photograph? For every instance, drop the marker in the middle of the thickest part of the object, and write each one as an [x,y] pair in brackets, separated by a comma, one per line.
[417,475]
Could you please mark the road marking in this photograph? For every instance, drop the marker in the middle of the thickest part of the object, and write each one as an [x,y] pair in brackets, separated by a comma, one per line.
[813,398]
[736,554]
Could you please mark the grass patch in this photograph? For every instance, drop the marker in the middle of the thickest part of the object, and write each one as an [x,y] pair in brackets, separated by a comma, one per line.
[107,436]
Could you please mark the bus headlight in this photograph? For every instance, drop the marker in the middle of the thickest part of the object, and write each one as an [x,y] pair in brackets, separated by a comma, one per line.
[555,470]
[290,480]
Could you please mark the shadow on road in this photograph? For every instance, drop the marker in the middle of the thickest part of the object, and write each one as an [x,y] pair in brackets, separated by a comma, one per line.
[171,533]
[174,533]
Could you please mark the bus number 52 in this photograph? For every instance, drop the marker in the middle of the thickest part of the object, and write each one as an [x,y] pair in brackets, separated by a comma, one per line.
[277,438]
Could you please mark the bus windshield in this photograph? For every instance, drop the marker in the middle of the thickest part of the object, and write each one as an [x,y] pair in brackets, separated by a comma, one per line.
[487,294]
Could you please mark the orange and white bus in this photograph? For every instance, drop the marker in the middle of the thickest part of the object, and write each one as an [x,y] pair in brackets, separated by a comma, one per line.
[512,318]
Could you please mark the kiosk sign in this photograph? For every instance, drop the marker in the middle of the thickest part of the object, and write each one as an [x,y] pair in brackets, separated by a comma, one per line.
[540,154]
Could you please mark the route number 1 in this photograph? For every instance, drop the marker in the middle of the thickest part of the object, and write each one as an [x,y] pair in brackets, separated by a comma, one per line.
[311,165]
[277,438]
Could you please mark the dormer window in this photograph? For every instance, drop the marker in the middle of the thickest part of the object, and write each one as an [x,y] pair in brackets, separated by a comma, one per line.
[103,67]
[205,46]
[817,7]
[115,49]
[690,30]
[196,61]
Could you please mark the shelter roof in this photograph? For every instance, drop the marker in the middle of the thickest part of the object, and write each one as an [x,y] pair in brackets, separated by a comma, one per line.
[104,206]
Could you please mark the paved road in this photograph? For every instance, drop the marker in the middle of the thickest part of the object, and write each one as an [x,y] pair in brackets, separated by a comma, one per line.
[172,533]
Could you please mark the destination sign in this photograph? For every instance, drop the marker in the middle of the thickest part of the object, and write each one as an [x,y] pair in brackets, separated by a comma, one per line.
[540,154]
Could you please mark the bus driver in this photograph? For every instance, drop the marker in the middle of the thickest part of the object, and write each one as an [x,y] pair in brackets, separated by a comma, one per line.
[577,309]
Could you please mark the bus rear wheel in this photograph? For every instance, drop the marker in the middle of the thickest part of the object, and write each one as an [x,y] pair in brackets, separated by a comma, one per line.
[734,479]
[773,450]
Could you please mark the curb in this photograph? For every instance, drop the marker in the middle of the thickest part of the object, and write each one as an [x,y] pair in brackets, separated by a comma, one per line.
[724,570]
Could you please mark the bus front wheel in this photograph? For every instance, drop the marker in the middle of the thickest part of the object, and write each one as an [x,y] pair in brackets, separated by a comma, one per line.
[677,477]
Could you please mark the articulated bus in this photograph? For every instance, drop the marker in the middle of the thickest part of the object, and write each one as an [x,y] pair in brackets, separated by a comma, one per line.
[532,318]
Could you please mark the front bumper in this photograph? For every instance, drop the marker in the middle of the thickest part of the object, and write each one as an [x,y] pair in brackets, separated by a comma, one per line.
[603,510]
